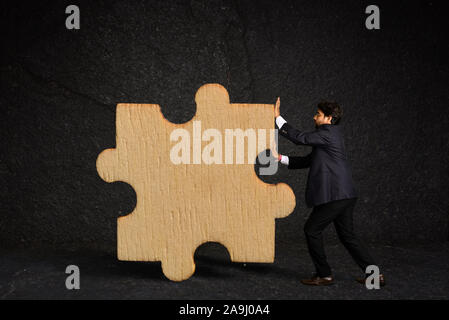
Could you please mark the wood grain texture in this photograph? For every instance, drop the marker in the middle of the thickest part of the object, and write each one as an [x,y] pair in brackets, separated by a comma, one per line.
[181,206]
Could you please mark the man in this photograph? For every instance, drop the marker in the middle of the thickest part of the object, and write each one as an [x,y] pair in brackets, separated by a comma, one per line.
[330,190]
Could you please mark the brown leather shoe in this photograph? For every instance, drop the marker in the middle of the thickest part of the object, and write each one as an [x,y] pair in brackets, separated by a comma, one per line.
[317,281]
[381,280]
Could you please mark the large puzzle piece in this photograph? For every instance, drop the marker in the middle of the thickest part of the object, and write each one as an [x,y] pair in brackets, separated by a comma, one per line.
[181,206]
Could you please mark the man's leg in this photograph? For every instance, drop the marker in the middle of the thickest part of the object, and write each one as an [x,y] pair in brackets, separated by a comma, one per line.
[318,220]
[345,230]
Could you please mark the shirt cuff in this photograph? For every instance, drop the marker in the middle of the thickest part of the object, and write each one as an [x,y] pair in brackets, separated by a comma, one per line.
[280,121]
[284,160]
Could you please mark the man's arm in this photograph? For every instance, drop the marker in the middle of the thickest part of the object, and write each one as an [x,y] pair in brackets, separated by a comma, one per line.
[313,138]
[296,162]
[291,162]
[300,162]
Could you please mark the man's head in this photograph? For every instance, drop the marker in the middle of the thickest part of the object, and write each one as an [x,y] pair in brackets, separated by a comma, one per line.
[327,113]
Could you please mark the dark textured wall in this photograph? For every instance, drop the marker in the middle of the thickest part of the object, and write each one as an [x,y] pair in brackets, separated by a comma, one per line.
[59,89]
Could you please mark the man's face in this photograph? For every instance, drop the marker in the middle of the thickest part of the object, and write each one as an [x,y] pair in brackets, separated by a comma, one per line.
[320,118]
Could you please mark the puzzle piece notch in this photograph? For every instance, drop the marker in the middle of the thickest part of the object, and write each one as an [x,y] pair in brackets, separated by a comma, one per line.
[179,207]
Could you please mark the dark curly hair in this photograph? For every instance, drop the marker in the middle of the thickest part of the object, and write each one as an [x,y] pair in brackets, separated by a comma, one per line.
[330,108]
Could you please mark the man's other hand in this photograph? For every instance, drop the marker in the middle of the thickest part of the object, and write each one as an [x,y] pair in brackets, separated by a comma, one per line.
[273,149]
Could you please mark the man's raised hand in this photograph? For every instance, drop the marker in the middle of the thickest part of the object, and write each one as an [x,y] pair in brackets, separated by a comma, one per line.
[277,111]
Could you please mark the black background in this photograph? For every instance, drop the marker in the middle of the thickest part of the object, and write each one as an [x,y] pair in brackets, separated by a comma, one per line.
[59,89]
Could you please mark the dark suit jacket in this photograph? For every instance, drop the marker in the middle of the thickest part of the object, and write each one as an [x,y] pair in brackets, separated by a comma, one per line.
[330,176]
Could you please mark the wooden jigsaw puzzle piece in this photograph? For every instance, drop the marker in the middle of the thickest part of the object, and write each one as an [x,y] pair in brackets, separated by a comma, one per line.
[181,206]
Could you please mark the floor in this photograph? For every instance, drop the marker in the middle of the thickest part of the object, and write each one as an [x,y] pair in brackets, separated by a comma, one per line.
[412,272]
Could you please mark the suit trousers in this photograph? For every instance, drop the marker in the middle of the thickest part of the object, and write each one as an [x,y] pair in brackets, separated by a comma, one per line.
[340,212]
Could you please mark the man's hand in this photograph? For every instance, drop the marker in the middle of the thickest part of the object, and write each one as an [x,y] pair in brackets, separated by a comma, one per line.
[273,149]
[277,111]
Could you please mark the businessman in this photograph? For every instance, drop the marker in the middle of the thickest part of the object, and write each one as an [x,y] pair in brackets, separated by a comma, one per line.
[330,189]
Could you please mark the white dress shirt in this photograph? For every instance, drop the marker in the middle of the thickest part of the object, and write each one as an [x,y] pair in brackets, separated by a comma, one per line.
[280,122]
